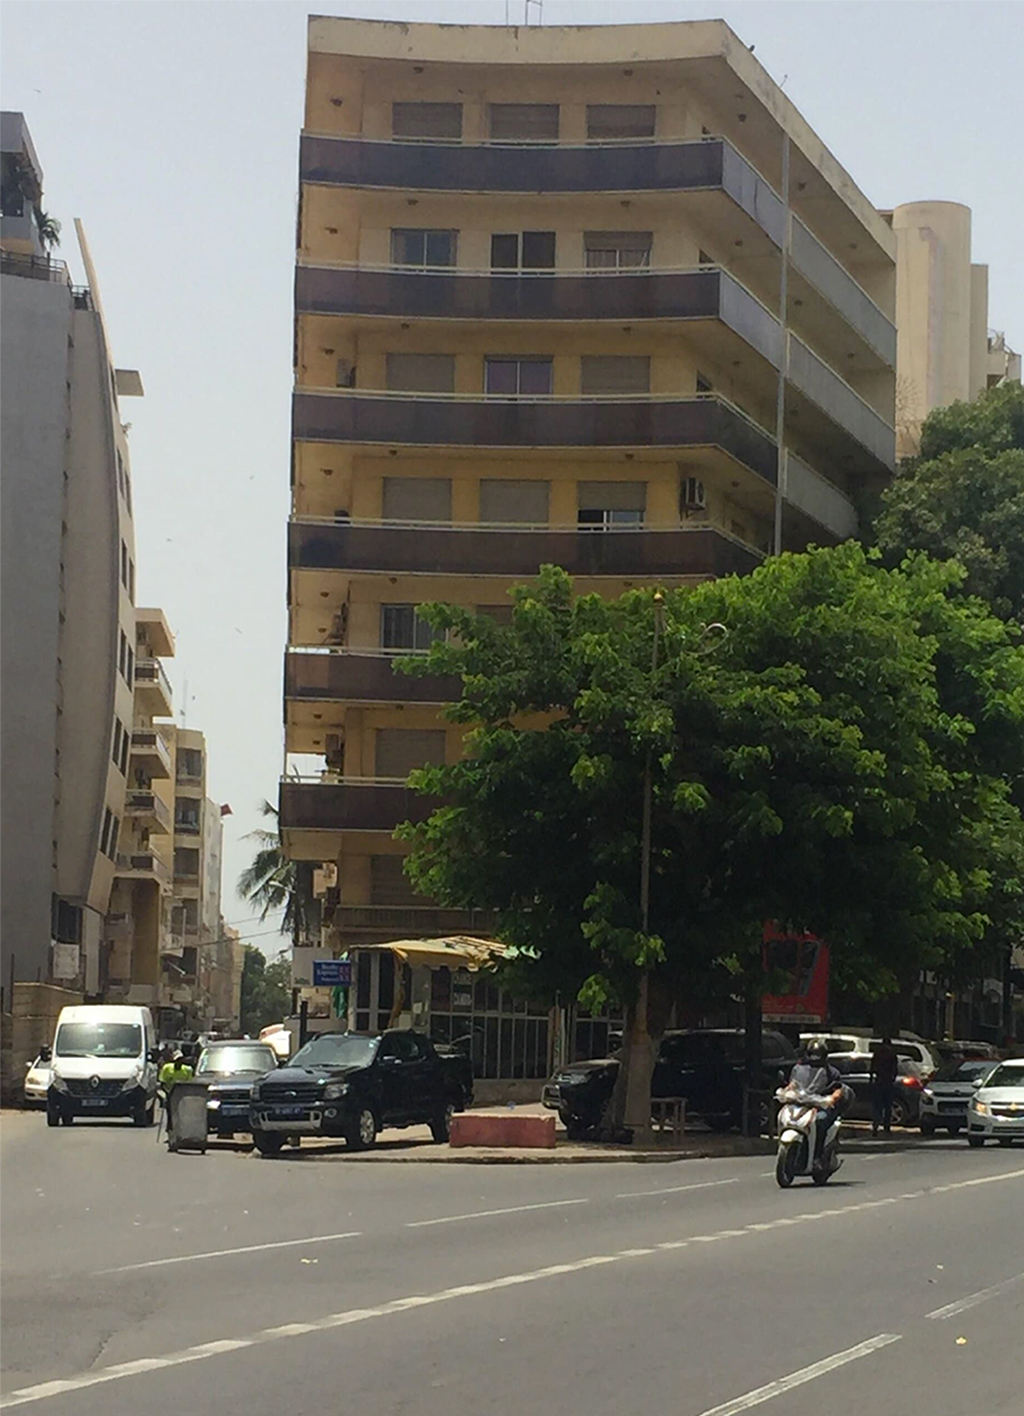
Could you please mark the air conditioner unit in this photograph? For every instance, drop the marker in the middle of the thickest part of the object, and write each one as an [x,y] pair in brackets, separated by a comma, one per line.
[693,496]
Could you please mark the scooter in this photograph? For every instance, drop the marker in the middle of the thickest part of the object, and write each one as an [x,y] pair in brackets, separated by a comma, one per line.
[799,1152]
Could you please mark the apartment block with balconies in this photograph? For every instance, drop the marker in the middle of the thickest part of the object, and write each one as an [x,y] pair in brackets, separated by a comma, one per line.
[539,317]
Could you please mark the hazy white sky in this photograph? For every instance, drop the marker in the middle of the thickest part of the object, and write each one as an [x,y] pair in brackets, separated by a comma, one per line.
[172,130]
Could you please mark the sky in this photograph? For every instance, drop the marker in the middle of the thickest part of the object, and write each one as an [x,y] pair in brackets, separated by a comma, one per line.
[171,129]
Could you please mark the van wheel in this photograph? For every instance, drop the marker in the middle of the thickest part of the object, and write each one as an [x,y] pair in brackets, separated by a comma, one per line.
[52,1116]
[975,1141]
[363,1131]
[143,1115]
[67,1118]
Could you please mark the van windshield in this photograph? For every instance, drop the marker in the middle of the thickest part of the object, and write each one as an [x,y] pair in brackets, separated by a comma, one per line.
[99,1040]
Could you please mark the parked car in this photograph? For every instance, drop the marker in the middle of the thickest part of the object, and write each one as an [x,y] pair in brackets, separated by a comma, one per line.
[925,1059]
[703,1066]
[104,1064]
[966,1051]
[855,1069]
[945,1096]
[997,1108]
[354,1084]
[229,1069]
[37,1081]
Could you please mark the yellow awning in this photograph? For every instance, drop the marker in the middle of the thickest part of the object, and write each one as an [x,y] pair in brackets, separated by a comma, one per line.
[457,951]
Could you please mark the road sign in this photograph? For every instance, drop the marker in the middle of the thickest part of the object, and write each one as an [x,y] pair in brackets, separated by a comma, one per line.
[332,973]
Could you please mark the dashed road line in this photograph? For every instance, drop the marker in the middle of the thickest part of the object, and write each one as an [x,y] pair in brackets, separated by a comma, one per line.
[973,1299]
[229,1253]
[805,1374]
[488,1214]
[678,1189]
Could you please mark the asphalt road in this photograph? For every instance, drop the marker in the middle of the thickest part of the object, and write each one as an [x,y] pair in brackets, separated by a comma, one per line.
[138,1282]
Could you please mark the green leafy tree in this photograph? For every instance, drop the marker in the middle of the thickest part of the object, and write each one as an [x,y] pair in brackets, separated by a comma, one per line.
[963,497]
[830,746]
[274,883]
[266,990]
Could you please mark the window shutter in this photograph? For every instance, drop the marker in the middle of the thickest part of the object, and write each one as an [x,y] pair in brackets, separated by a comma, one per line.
[421,373]
[524,122]
[615,373]
[399,751]
[514,502]
[426,120]
[610,121]
[417,499]
[612,496]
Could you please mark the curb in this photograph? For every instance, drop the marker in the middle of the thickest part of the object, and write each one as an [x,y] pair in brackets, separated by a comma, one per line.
[526,1157]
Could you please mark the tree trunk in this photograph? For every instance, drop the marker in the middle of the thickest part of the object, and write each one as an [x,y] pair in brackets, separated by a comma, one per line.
[752,1055]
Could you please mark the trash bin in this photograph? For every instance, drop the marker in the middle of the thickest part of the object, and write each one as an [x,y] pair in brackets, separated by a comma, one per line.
[187,1129]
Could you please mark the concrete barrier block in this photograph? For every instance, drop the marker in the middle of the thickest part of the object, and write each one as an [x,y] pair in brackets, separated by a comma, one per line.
[503,1128]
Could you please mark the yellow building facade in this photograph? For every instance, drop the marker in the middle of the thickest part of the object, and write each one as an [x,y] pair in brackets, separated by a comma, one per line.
[592,296]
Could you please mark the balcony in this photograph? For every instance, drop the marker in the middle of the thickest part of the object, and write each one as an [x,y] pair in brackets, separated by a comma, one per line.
[153,688]
[813,496]
[146,865]
[148,810]
[186,827]
[710,169]
[150,754]
[859,428]
[347,804]
[493,421]
[360,676]
[437,548]
[638,294]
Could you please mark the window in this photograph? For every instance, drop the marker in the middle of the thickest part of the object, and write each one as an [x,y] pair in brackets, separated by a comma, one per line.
[421,373]
[187,816]
[124,661]
[189,764]
[424,121]
[131,580]
[417,499]
[118,730]
[608,504]
[399,751]
[128,492]
[617,250]
[114,832]
[186,862]
[419,247]
[618,122]
[402,628]
[704,384]
[532,250]
[120,470]
[524,122]
[514,502]
[615,373]
[108,822]
[389,884]
[131,662]
[124,565]
[126,742]
[511,375]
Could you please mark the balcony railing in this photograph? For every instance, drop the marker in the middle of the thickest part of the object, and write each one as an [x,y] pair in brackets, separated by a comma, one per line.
[381,922]
[187,827]
[361,676]
[350,804]
[149,747]
[841,404]
[710,164]
[31,267]
[438,548]
[819,499]
[148,806]
[150,674]
[490,420]
[146,864]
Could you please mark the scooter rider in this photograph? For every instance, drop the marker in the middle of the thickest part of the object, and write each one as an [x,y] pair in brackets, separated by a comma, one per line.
[816,1075]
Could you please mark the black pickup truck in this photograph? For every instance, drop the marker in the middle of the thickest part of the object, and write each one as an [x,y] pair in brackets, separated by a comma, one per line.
[352,1085]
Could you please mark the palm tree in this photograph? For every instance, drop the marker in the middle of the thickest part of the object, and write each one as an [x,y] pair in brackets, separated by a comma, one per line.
[273,882]
[49,231]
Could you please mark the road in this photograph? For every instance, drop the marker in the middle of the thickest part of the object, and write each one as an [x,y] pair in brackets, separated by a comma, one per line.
[136,1281]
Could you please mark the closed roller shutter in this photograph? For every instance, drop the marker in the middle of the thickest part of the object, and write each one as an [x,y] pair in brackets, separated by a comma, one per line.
[421,373]
[399,751]
[426,120]
[514,502]
[389,884]
[612,496]
[417,499]
[615,373]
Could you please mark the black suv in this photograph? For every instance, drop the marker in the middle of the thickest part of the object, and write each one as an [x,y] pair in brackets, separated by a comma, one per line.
[353,1084]
[704,1066]
[229,1070]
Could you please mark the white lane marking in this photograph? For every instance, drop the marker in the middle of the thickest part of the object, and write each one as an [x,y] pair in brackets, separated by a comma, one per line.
[805,1374]
[40,1392]
[973,1299]
[227,1253]
[487,1214]
[678,1189]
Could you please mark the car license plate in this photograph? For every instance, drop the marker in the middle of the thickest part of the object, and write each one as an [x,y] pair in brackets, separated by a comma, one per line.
[236,1110]
[94,1101]
[288,1113]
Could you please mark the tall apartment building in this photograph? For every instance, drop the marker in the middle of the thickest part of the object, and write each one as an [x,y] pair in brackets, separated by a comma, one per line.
[945,349]
[69,668]
[138,922]
[554,288]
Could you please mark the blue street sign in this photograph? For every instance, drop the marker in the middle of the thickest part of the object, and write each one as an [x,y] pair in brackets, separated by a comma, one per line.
[332,973]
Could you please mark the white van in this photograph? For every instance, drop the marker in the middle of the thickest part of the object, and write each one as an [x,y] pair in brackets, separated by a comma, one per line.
[102,1063]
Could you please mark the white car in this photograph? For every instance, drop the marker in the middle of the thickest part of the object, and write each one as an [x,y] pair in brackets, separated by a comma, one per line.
[945,1097]
[997,1107]
[37,1082]
[922,1058]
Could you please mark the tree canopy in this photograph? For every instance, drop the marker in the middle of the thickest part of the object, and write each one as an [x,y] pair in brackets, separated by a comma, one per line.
[832,745]
[266,990]
[963,497]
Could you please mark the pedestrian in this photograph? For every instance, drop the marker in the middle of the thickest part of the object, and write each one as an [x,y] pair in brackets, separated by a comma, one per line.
[884,1066]
[172,1072]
